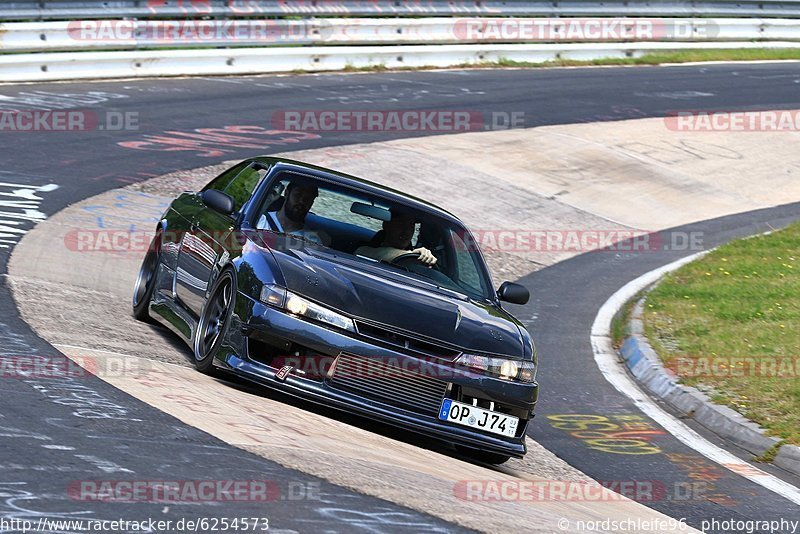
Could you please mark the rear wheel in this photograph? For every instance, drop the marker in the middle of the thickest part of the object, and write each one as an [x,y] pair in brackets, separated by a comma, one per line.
[483,456]
[146,281]
[214,320]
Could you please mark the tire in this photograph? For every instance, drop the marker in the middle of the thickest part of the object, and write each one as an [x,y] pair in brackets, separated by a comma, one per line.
[214,321]
[482,456]
[146,281]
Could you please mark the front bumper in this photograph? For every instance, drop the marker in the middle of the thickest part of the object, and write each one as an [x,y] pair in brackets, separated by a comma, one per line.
[287,328]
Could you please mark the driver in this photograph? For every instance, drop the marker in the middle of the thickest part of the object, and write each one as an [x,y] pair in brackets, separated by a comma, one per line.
[397,234]
[291,218]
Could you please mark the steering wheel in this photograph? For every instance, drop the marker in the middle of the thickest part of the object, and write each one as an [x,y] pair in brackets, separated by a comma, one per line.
[415,265]
[402,258]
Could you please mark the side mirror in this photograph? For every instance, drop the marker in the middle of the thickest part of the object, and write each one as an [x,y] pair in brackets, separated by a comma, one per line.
[218,201]
[513,293]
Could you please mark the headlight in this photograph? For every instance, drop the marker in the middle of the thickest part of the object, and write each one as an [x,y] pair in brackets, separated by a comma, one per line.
[281,298]
[509,369]
[300,306]
[297,305]
[500,367]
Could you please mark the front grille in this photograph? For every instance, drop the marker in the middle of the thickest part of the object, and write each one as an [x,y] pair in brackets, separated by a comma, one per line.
[407,342]
[377,379]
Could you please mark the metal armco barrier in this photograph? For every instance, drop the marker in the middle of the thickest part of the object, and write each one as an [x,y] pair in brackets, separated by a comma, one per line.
[88,65]
[135,38]
[70,10]
[129,34]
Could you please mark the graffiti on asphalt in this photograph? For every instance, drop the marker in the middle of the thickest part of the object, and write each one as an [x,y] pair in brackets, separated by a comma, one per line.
[615,434]
[215,142]
[48,100]
[19,210]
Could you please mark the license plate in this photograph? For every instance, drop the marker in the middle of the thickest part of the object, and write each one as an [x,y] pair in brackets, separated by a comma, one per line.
[480,418]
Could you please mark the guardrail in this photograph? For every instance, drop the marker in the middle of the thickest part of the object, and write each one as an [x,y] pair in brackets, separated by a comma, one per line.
[71,10]
[100,35]
[241,61]
[315,35]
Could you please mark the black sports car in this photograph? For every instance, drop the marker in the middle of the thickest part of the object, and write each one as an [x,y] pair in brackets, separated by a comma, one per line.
[346,293]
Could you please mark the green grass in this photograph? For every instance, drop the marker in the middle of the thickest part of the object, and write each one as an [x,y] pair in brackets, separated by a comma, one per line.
[667,56]
[380,67]
[738,306]
[619,323]
[734,54]
[770,454]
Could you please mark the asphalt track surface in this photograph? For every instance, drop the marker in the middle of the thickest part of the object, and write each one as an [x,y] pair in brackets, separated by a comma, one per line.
[47,446]
[566,297]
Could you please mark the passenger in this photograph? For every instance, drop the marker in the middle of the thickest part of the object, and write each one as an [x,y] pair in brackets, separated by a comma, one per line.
[396,241]
[291,217]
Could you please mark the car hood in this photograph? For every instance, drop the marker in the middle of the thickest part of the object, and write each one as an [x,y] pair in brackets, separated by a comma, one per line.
[374,294]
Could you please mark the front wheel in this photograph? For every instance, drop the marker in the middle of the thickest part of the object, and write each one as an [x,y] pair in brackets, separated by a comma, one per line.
[214,320]
[482,456]
[146,281]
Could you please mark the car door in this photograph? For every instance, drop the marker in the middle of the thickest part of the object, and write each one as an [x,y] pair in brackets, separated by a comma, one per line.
[203,245]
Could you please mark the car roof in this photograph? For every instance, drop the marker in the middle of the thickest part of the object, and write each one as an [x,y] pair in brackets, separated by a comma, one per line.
[357,183]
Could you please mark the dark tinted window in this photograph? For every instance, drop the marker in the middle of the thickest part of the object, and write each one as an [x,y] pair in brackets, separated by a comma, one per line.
[349,221]
[241,188]
[221,182]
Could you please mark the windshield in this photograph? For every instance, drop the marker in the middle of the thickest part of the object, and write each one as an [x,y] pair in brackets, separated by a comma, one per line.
[395,236]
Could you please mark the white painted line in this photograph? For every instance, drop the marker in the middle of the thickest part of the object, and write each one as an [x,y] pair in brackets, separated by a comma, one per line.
[608,361]
[106,466]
